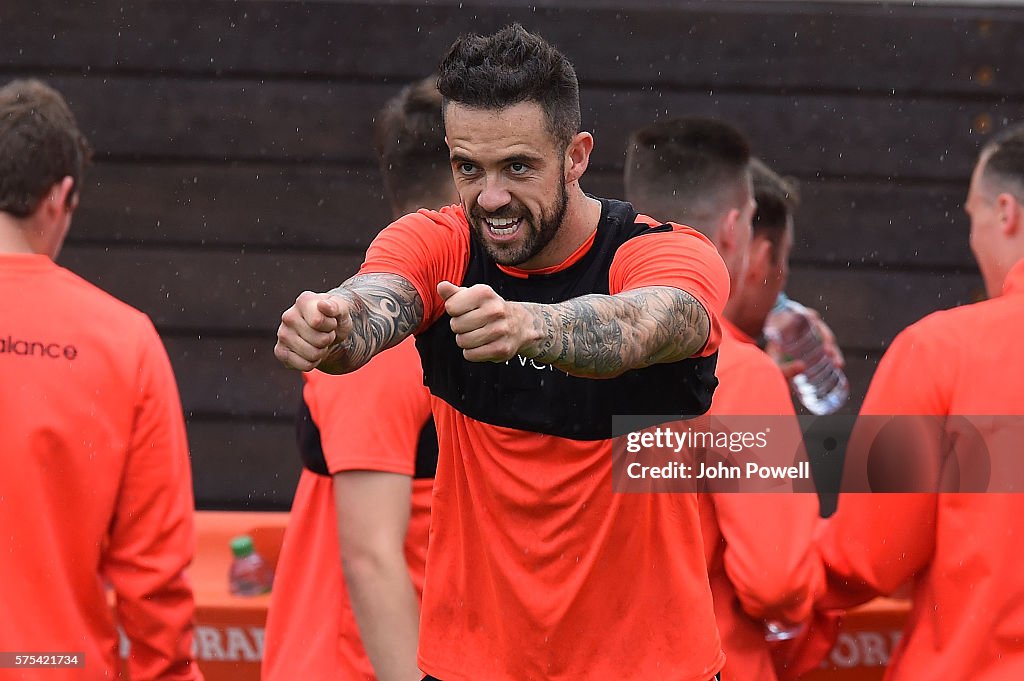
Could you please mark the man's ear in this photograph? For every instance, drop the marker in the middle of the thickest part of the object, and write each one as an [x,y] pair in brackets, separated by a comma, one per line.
[726,236]
[62,196]
[577,156]
[1009,214]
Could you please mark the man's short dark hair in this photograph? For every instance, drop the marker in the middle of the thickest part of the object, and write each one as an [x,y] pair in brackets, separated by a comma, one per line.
[512,66]
[409,137]
[777,199]
[686,169]
[1005,160]
[40,144]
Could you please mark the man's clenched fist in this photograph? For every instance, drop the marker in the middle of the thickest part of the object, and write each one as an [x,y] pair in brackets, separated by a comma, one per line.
[487,327]
[309,329]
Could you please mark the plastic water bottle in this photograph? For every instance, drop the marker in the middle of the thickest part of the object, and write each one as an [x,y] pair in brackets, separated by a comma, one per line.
[249,575]
[776,631]
[822,386]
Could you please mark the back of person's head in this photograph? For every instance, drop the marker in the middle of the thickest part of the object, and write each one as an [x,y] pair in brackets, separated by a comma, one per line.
[40,145]
[512,66]
[689,170]
[1003,156]
[994,204]
[409,137]
[777,199]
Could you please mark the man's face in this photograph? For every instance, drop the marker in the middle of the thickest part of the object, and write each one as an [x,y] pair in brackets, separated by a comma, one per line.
[769,274]
[510,175]
[766,275]
[745,230]
[982,209]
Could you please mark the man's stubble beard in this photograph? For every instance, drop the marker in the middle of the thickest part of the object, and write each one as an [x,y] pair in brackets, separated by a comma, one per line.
[536,238]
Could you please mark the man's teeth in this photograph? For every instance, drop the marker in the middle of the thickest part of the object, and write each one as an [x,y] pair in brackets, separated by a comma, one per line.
[502,226]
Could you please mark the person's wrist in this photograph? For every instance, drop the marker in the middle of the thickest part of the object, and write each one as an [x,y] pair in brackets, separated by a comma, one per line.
[344,297]
[529,325]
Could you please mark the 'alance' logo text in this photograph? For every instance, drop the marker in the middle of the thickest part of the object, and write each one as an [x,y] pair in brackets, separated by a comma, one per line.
[25,348]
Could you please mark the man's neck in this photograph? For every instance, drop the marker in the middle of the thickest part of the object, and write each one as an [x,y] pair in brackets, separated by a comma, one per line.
[1010,267]
[582,214]
[14,235]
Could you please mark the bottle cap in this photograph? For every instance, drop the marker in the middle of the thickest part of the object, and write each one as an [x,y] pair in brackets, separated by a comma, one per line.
[242,546]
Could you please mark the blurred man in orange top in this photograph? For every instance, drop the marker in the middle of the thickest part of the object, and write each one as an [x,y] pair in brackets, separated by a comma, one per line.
[961,553]
[95,483]
[699,172]
[346,595]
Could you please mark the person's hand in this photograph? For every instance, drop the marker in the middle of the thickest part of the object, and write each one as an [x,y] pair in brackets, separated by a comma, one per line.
[487,327]
[789,367]
[822,330]
[309,328]
[828,339]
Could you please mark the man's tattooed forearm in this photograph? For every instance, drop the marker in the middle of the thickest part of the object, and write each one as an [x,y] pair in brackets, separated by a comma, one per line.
[604,336]
[596,334]
[385,309]
[545,329]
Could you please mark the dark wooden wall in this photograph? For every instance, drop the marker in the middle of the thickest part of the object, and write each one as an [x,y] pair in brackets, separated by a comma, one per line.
[234,167]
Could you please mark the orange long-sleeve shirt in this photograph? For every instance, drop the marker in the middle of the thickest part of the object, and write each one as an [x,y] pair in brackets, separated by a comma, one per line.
[760,561]
[961,552]
[95,482]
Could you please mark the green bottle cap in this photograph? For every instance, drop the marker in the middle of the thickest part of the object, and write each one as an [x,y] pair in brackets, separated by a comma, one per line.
[241,546]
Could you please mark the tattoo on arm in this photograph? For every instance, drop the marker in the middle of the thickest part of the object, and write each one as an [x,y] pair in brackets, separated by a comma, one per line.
[385,309]
[603,336]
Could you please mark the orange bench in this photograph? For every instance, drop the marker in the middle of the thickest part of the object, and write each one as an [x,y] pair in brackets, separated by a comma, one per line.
[867,636]
[229,629]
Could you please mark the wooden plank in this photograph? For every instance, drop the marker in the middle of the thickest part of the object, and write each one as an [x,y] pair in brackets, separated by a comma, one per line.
[212,291]
[867,308]
[255,466]
[208,290]
[814,135]
[230,291]
[240,378]
[844,222]
[236,377]
[264,205]
[220,121]
[335,207]
[244,465]
[860,223]
[59,35]
[739,44]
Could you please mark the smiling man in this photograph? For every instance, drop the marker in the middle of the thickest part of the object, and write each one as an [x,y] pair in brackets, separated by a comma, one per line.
[536,570]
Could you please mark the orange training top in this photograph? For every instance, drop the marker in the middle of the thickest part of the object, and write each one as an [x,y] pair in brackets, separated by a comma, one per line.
[536,570]
[961,552]
[95,483]
[760,561]
[368,420]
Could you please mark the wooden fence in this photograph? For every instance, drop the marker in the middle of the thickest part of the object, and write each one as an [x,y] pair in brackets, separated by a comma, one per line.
[234,166]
